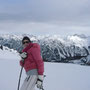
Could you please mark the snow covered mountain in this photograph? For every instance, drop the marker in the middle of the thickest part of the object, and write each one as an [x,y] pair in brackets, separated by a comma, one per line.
[53,48]
[7,52]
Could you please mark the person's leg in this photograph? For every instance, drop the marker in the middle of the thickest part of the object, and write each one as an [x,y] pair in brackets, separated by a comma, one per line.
[25,83]
[32,82]
[29,83]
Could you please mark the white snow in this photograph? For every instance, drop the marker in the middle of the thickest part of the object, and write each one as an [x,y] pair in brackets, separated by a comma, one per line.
[78,41]
[59,76]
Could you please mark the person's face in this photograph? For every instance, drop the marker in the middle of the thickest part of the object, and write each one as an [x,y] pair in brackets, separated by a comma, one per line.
[25,43]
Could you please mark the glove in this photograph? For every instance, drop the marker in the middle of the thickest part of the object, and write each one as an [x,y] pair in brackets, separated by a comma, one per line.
[40,81]
[23,55]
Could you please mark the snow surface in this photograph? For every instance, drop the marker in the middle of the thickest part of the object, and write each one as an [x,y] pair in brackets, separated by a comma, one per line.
[59,76]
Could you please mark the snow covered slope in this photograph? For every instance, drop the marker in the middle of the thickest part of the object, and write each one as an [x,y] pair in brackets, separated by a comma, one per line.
[10,53]
[59,76]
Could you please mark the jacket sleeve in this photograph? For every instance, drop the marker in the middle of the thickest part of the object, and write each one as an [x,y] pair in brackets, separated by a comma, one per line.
[21,63]
[36,54]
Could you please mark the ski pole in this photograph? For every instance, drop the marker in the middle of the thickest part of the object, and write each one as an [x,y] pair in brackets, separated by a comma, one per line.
[20,75]
[20,78]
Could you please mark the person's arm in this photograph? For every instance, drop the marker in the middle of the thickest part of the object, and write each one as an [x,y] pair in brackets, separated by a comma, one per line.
[21,63]
[36,54]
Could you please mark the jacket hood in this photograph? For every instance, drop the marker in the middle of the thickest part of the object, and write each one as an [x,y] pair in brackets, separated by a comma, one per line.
[28,47]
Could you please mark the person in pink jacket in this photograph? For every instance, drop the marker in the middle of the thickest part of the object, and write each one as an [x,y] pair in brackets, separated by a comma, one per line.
[33,65]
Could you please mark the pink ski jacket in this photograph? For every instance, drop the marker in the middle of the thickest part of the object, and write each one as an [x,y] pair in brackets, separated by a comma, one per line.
[34,59]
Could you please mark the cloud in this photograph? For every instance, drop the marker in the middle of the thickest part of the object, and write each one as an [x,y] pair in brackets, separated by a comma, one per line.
[45,16]
[45,10]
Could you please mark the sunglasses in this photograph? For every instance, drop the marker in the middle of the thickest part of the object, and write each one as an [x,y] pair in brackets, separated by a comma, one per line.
[25,42]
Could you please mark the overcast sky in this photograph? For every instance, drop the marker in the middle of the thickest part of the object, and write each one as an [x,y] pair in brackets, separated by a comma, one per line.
[42,17]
